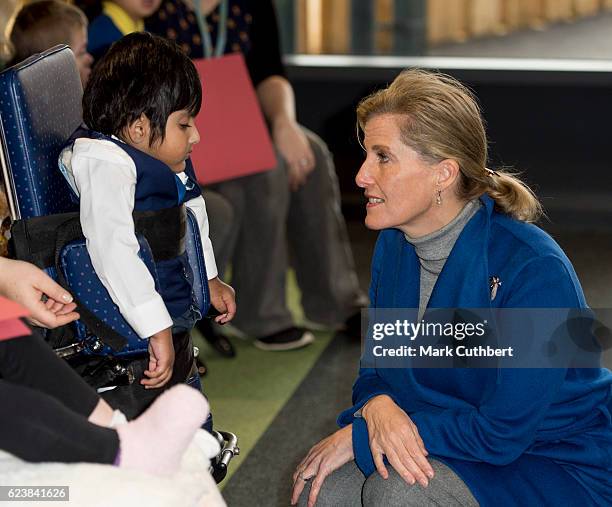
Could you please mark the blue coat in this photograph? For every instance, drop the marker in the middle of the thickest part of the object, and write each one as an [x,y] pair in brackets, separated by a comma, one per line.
[515,436]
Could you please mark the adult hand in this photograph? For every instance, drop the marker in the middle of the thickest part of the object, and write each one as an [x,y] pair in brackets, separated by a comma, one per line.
[325,457]
[161,360]
[25,284]
[294,147]
[394,435]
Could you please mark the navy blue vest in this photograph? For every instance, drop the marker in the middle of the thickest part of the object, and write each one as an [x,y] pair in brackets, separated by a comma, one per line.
[157,187]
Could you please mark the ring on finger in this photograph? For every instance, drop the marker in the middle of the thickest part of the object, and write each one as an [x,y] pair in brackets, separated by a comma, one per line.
[304,162]
[305,479]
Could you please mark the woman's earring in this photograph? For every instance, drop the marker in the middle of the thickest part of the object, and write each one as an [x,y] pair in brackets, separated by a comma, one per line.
[439,198]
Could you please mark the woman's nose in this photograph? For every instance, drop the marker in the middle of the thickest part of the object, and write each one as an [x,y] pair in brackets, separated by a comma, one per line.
[363,177]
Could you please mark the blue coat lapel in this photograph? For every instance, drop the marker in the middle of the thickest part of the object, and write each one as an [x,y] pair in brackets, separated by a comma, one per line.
[464,280]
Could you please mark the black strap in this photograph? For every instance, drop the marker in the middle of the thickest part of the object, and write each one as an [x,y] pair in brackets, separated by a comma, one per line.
[34,239]
[40,241]
[67,232]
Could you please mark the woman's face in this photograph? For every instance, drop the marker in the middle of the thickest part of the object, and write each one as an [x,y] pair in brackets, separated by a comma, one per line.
[399,185]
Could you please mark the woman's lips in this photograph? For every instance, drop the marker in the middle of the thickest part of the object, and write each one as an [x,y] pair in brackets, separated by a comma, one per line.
[374,201]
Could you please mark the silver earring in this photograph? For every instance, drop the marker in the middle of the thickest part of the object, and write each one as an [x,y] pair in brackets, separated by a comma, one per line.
[439,198]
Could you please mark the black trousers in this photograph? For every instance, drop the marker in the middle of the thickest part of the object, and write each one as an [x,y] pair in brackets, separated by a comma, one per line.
[45,405]
[134,399]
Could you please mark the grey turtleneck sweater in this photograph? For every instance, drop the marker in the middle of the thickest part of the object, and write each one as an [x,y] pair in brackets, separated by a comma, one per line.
[434,248]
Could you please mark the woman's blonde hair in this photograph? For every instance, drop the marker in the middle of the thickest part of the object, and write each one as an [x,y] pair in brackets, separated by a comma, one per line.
[442,120]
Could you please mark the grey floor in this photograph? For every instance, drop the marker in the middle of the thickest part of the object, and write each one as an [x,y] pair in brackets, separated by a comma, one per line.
[585,38]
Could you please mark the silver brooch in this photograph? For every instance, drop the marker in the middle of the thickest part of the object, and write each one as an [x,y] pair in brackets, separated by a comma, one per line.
[494,283]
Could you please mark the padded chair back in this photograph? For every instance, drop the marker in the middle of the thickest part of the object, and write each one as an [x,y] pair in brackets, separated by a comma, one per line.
[40,107]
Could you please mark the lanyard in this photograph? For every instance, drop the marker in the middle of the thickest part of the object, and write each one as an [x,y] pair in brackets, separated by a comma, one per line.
[221,30]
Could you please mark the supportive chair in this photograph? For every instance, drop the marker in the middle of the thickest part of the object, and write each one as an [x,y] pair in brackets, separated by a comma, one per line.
[40,107]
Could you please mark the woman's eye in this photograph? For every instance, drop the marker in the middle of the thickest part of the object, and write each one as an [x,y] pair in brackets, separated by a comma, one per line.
[184,125]
[382,157]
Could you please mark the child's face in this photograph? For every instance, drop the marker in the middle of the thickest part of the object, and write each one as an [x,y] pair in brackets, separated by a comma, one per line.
[138,9]
[181,135]
[78,44]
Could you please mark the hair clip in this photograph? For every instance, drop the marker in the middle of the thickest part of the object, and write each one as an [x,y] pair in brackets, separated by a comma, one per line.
[490,172]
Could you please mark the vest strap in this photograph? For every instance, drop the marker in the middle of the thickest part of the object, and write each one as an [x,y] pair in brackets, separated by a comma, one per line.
[34,239]
[40,241]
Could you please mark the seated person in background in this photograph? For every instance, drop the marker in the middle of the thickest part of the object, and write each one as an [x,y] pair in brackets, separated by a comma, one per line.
[42,25]
[116,19]
[8,9]
[295,205]
[51,414]
[140,104]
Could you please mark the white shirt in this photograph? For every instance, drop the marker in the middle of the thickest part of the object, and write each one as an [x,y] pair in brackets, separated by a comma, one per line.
[104,176]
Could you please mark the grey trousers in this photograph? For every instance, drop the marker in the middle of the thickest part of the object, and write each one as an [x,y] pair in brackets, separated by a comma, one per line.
[347,487]
[268,220]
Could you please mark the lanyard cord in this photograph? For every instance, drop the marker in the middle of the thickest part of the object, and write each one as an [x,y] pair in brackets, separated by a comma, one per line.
[219,48]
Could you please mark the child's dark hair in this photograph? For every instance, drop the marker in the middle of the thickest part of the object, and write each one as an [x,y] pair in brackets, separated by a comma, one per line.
[140,74]
[41,25]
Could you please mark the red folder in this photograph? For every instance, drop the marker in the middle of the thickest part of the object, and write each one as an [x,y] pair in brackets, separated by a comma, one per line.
[234,139]
[10,325]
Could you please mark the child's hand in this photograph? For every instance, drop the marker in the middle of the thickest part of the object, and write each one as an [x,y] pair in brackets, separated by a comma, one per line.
[223,298]
[161,360]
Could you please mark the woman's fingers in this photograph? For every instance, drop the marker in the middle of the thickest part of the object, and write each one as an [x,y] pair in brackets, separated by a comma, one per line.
[401,464]
[419,454]
[415,432]
[305,463]
[317,482]
[416,465]
[298,487]
[308,471]
[377,455]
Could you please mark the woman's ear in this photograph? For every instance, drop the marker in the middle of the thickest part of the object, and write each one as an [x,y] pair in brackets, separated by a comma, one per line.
[137,133]
[447,173]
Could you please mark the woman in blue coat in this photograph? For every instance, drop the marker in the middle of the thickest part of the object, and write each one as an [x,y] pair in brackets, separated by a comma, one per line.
[458,235]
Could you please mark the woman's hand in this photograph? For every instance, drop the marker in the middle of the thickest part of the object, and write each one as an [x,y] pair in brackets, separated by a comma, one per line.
[325,457]
[294,147]
[395,436]
[25,284]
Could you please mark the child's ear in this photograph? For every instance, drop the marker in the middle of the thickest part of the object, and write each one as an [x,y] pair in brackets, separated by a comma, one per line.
[139,130]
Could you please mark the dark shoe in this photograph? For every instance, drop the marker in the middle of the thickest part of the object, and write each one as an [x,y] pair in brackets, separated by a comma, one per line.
[287,339]
[352,326]
[217,341]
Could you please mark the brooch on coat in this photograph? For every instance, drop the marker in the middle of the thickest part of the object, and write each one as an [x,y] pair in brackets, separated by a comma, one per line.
[494,283]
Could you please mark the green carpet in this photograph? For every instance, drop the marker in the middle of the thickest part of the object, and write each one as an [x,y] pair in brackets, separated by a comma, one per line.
[247,392]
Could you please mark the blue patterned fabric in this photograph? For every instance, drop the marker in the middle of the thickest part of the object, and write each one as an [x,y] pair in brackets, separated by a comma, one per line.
[40,106]
[86,286]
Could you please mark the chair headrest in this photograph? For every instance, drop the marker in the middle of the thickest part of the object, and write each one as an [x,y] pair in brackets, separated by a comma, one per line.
[40,107]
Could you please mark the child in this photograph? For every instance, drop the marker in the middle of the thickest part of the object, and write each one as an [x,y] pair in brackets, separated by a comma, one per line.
[118,18]
[42,25]
[140,104]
